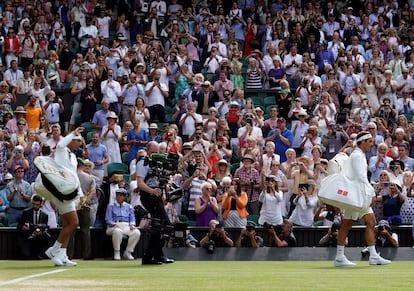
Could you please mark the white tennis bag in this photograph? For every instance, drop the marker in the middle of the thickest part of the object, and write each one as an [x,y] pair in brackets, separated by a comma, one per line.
[339,191]
[55,181]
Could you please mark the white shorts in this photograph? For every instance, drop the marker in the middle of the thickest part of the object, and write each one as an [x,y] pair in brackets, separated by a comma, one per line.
[64,207]
[357,215]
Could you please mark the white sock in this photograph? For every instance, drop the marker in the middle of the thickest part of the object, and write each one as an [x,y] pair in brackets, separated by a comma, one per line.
[372,252]
[340,251]
[56,246]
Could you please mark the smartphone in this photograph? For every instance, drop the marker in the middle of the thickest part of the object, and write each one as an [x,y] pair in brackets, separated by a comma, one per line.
[303,186]
[386,184]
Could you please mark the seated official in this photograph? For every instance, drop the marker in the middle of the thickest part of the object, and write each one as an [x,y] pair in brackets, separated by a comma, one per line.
[216,237]
[33,238]
[120,219]
[248,238]
[282,236]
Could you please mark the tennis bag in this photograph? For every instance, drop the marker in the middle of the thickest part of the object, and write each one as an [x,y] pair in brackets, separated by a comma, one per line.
[339,191]
[54,180]
[338,163]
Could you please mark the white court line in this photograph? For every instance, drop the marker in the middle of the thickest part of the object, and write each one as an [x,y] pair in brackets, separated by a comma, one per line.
[18,280]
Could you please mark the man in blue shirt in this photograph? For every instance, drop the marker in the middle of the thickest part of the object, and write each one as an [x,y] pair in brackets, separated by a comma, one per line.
[98,154]
[120,219]
[282,137]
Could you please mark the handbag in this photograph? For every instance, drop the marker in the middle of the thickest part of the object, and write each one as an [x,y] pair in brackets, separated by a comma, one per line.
[339,191]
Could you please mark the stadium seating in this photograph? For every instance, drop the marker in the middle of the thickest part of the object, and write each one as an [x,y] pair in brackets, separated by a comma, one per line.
[119,168]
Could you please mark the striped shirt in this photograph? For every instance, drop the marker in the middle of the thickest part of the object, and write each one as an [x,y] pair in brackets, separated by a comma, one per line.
[195,191]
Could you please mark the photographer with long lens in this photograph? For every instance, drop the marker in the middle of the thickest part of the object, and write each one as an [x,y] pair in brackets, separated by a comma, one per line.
[216,237]
[384,237]
[33,238]
[151,199]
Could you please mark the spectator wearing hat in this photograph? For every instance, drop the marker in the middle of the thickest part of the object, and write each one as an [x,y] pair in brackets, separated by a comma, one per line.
[110,136]
[54,80]
[19,193]
[205,98]
[120,220]
[87,32]
[249,182]
[153,133]
[282,138]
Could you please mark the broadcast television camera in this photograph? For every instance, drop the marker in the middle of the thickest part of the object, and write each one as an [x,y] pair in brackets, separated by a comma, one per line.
[163,166]
[176,232]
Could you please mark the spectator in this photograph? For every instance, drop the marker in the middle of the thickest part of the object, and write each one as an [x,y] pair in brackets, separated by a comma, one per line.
[111,135]
[99,117]
[305,202]
[206,207]
[392,202]
[19,194]
[4,202]
[137,138]
[111,90]
[33,238]
[282,138]
[76,90]
[53,107]
[89,99]
[234,205]
[156,93]
[98,154]
[6,98]
[331,238]
[120,219]
[407,209]
[271,198]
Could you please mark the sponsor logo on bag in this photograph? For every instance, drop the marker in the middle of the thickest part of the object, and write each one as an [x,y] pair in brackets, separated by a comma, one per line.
[342,192]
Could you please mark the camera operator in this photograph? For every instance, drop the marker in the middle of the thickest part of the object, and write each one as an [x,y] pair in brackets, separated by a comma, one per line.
[384,237]
[151,199]
[248,238]
[281,235]
[216,237]
[33,238]
[330,239]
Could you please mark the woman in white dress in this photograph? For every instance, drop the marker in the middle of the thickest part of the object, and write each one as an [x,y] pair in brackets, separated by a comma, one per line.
[370,86]
[271,200]
[305,202]
[111,134]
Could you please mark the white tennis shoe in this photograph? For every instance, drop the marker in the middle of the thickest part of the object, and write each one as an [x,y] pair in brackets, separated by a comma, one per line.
[378,261]
[54,256]
[343,262]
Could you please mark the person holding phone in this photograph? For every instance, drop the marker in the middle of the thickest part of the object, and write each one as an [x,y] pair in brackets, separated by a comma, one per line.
[305,201]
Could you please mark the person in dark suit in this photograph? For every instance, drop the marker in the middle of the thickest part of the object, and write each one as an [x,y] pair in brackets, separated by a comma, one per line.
[206,94]
[33,238]
[72,28]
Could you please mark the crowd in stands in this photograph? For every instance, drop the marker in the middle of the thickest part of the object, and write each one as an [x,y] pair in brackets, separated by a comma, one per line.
[187,75]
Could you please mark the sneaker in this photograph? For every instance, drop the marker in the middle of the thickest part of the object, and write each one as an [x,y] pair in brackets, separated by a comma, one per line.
[54,256]
[343,262]
[66,262]
[117,256]
[128,256]
[379,261]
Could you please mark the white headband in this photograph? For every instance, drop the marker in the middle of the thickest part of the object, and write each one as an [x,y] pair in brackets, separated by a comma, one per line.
[364,137]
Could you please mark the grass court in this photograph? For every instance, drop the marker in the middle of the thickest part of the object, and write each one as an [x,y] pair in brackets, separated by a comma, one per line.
[204,275]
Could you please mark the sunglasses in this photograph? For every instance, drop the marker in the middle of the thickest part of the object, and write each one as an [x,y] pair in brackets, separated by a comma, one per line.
[208,189]
[38,83]
[20,171]
[21,124]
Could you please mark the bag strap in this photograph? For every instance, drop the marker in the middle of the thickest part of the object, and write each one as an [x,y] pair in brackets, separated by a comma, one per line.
[52,189]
